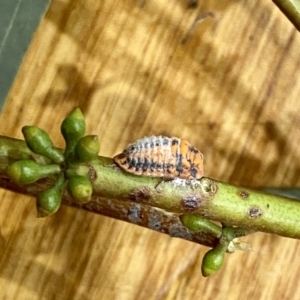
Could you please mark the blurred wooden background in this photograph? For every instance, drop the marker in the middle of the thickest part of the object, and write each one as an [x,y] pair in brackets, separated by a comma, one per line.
[230,85]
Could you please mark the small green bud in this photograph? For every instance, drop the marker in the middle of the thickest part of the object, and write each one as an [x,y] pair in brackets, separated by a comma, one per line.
[87,148]
[198,224]
[213,260]
[26,171]
[72,129]
[39,142]
[80,188]
[49,201]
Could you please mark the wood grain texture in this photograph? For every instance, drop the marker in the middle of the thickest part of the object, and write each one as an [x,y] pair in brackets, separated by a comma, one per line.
[230,85]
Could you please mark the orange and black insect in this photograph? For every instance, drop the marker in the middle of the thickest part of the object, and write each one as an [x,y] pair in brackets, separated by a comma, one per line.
[160,156]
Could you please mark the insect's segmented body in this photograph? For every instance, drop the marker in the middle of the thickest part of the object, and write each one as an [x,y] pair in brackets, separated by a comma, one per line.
[160,156]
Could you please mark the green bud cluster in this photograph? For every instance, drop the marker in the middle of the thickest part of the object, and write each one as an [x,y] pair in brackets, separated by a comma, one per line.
[79,148]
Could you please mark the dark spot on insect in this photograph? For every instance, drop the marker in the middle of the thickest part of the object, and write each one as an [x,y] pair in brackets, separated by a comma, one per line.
[152,144]
[122,155]
[171,167]
[191,202]
[254,212]
[133,163]
[193,149]
[243,194]
[140,195]
[153,166]
[132,148]
[165,141]
[125,153]
[138,165]
[146,144]
[179,173]
[174,142]
[124,162]
[157,143]
[193,172]
[179,167]
[146,165]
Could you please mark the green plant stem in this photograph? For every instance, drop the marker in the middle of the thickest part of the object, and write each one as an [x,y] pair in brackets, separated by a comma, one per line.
[291,9]
[143,215]
[207,198]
